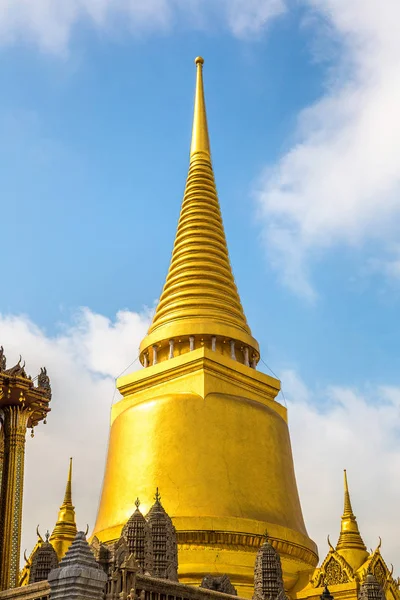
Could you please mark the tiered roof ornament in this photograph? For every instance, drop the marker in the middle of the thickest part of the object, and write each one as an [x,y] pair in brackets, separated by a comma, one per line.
[78,577]
[268,581]
[163,534]
[138,538]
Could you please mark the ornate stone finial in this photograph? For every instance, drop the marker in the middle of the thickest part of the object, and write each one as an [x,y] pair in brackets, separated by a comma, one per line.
[43,382]
[163,534]
[157,496]
[137,503]
[3,361]
[268,581]
[47,535]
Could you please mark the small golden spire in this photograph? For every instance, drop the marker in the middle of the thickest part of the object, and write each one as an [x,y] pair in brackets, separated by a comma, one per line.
[200,303]
[350,542]
[65,529]
[68,487]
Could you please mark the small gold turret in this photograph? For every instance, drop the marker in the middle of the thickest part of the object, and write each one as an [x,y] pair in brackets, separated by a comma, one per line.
[200,303]
[350,544]
[65,530]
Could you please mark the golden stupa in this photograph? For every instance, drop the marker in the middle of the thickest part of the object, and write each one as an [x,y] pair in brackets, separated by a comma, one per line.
[199,421]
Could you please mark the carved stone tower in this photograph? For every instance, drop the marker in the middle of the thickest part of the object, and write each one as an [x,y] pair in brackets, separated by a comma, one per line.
[22,405]
[44,559]
[163,534]
[138,539]
[199,420]
[268,582]
[371,589]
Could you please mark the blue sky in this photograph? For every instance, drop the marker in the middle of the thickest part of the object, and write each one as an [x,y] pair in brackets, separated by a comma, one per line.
[95,124]
[94,148]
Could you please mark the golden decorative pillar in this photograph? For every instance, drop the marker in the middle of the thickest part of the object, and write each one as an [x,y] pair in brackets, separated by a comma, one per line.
[199,421]
[65,529]
[22,406]
[1,454]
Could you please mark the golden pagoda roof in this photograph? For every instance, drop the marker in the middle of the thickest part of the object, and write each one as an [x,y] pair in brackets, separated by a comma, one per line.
[65,529]
[200,297]
[350,544]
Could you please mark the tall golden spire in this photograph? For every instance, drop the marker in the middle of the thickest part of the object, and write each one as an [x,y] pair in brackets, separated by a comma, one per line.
[350,542]
[200,304]
[179,420]
[65,530]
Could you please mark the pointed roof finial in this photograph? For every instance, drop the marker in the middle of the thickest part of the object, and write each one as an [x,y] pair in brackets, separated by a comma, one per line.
[350,542]
[137,503]
[200,138]
[200,297]
[347,502]
[68,487]
[157,496]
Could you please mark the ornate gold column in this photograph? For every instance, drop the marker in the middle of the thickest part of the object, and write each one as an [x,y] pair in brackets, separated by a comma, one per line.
[22,405]
[1,453]
[15,423]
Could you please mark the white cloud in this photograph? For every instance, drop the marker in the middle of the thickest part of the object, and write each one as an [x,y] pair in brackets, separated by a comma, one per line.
[50,23]
[82,363]
[331,429]
[340,181]
[340,428]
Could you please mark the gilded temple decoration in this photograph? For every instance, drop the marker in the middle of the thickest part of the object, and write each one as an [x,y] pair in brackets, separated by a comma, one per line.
[23,405]
[334,570]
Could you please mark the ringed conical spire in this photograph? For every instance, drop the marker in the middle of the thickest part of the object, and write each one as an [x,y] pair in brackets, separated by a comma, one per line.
[200,304]
[350,542]
[65,529]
